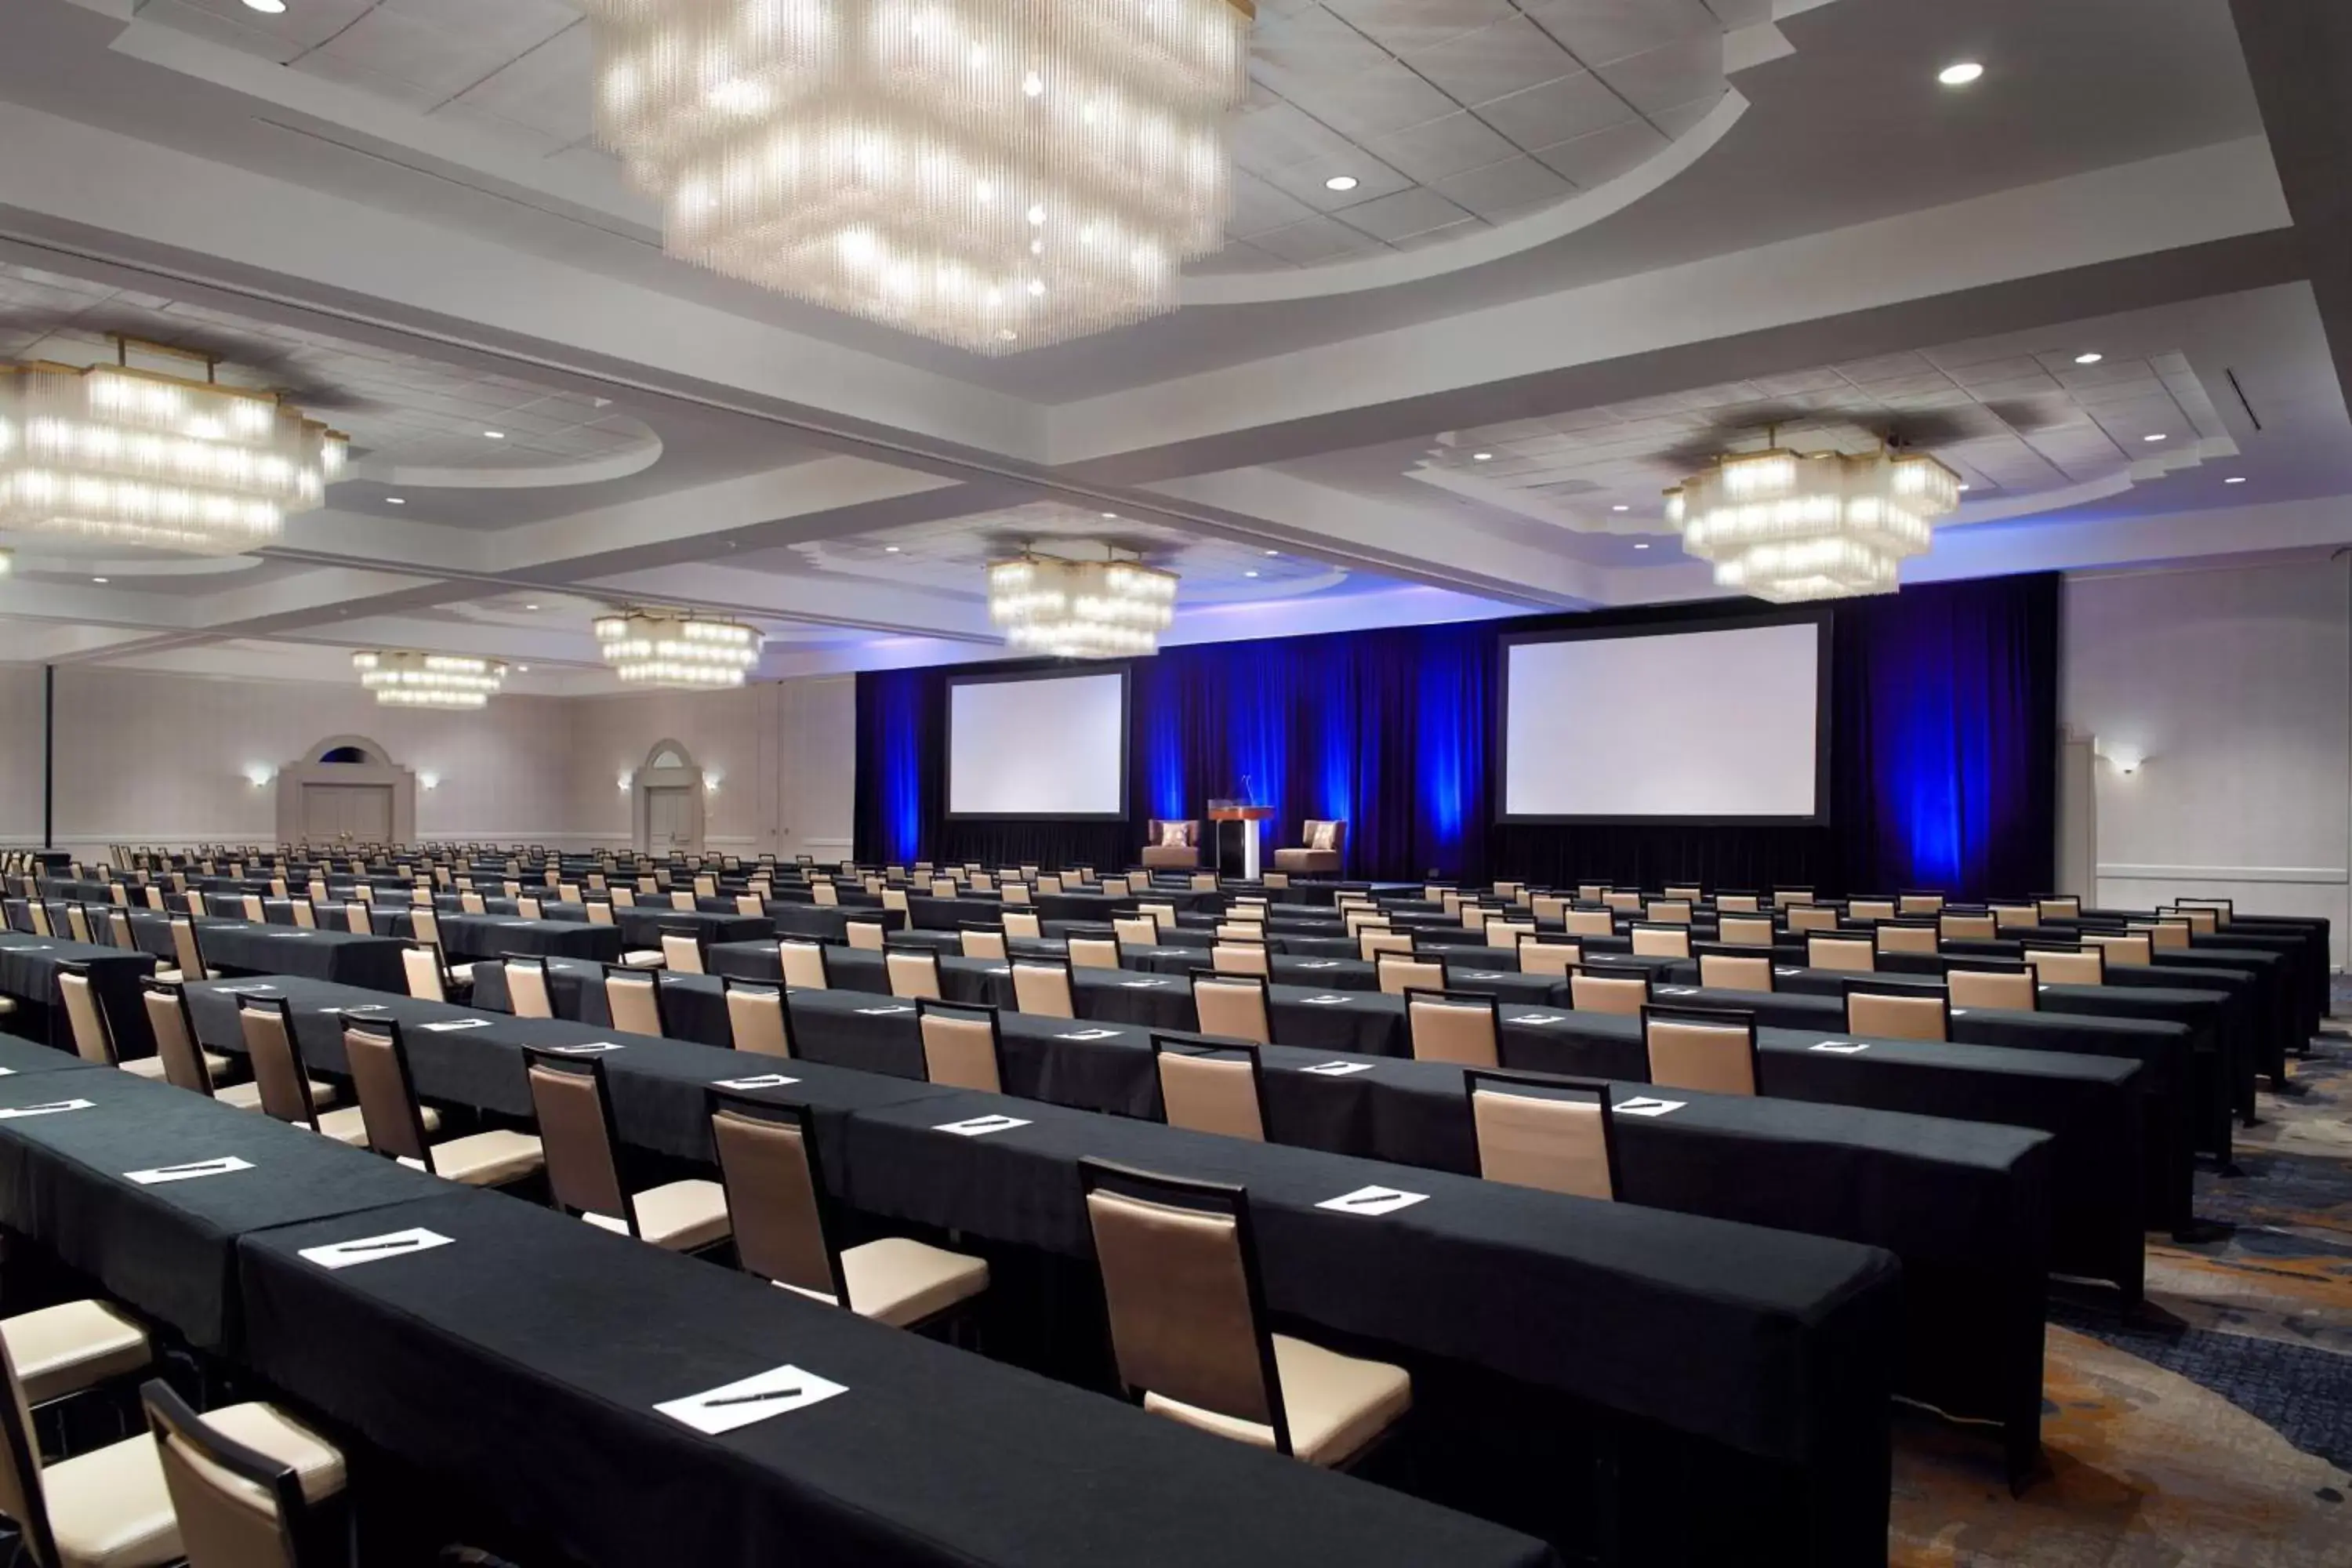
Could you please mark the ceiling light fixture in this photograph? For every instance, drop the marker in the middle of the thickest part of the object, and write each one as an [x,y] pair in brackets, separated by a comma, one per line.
[672,648]
[1621,509]
[101,579]
[2235,479]
[7,561]
[494,434]
[1109,608]
[2089,358]
[167,462]
[2157,436]
[394,500]
[530,607]
[267,7]
[1960,73]
[896,160]
[1274,552]
[889,550]
[404,680]
[1482,457]
[1641,547]
[1787,526]
[1341,183]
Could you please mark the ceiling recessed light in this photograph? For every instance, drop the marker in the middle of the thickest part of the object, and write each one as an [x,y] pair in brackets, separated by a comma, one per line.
[267,7]
[2159,436]
[1960,73]
[1621,509]
[2089,358]
[1482,457]
[1341,183]
[1967,487]
[1112,515]
[1641,547]
[889,550]
[394,500]
[522,670]
[530,607]
[97,579]
[1274,552]
[1249,573]
[494,434]
[2235,479]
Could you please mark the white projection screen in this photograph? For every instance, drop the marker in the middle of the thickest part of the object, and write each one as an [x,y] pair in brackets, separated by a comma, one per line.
[1726,724]
[1038,745]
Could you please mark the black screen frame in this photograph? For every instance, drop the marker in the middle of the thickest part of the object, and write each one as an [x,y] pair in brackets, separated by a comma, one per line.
[1823,620]
[1058,671]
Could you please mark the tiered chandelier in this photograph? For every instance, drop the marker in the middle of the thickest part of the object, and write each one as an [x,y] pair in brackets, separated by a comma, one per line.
[1081,609]
[993,174]
[670,647]
[136,458]
[1786,526]
[404,680]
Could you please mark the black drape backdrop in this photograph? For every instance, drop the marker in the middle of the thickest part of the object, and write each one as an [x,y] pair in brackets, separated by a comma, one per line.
[1944,755]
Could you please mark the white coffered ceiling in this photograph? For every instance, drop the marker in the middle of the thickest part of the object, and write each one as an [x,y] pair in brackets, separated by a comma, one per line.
[1595,239]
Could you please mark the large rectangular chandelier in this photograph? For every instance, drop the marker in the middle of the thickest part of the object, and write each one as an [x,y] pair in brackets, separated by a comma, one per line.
[404,679]
[994,174]
[1081,609]
[1785,526]
[670,647]
[131,456]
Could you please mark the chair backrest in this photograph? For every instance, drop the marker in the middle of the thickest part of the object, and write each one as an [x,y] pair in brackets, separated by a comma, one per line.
[1401,972]
[266,1024]
[803,965]
[2068,965]
[1021,926]
[633,996]
[1454,1026]
[1668,911]
[1870,909]
[866,934]
[1135,930]
[184,949]
[986,941]
[575,1134]
[233,1506]
[1736,903]
[1790,897]
[912,972]
[1811,918]
[2133,948]
[2163,935]
[251,907]
[963,1045]
[357,919]
[1180,1285]
[1589,922]
[1720,969]
[1689,1048]
[1744,930]
[1622,900]
[757,1018]
[1232,1007]
[1557,959]
[1049,883]
[751,906]
[1559,1134]
[1210,1088]
[1373,941]
[1918,906]
[93,1041]
[421,964]
[1896,936]
[1966,927]
[775,1194]
[2054,907]
[1661,940]
[1852,953]
[1897,1011]
[681,951]
[1993,983]
[306,914]
[1017,893]
[526,992]
[1241,958]
[166,1006]
[895,898]
[1093,953]
[387,1095]
[2015,917]
[2223,911]
[1501,932]
[2203,919]
[1546,908]
[1623,994]
[823,894]
[1043,987]
[78,924]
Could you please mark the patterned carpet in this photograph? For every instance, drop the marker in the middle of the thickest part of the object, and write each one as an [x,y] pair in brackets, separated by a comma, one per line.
[2216,1428]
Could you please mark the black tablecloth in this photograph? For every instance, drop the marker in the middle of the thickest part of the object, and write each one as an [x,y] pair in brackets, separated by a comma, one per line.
[469,937]
[165,1250]
[28,972]
[547,1343]
[344,957]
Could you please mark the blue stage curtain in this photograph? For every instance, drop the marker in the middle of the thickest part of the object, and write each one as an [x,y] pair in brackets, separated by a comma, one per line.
[1943,756]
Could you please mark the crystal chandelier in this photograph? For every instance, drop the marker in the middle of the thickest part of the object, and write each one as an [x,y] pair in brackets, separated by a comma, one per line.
[1785,526]
[133,456]
[993,174]
[1080,609]
[670,647]
[403,680]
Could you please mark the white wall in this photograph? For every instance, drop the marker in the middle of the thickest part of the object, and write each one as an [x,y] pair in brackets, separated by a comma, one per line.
[2235,687]
[153,758]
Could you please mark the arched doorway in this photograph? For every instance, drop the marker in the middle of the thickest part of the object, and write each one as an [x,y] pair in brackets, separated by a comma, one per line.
[345,790]
[668,807]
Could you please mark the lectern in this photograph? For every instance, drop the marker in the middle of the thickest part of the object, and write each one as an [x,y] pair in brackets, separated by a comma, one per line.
[1237,834]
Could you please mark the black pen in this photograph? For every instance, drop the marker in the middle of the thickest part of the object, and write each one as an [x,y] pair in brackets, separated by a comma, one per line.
[193,1165]
[753,1398]
[374,1245]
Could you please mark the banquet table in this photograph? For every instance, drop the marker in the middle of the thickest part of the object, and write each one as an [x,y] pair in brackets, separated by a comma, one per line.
[1719,1331]
[29,972]
[344,957]
[469,937]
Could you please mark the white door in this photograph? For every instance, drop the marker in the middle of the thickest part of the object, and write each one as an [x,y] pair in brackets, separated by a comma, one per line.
[668,820]
[362,811]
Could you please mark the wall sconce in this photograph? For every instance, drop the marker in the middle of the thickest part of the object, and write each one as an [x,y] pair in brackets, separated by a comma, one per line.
[259,773]
[2125,759]
[711,782]
[430,781]
[627,779]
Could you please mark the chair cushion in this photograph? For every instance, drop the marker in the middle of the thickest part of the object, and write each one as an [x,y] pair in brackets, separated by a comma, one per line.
[349,1126]
[680,1216]
[7,1006]
[247,1096]
[645,958]
[152,1067]
[110,1508]
[900,1282]
[461,974]
[65,1349]
[1337,1403]
[485,1159]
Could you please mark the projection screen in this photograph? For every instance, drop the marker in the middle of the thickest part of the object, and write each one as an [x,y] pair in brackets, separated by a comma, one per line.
[1724,724]
[1037,745]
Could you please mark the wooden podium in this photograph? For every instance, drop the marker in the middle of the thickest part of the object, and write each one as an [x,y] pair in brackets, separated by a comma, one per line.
[1237,836]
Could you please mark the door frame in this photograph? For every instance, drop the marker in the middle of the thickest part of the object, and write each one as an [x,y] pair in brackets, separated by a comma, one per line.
[667,766]
[378,769]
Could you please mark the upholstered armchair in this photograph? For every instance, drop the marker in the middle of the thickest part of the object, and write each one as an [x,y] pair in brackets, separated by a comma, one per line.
[1174,846]
[1324,848]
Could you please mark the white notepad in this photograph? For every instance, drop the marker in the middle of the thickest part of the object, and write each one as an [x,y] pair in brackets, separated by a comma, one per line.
[979,1126]
[373,1249]
[1372,1201]
[757,1398]
[455,1024]
[765,1081]
[1645,1106]
[51,1109]
[190,1170]
[1337,1070]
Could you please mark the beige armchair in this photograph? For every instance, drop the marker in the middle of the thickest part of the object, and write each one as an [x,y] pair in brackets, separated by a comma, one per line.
[1324,848]
[1160,854]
